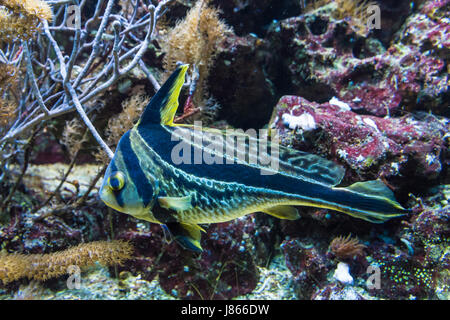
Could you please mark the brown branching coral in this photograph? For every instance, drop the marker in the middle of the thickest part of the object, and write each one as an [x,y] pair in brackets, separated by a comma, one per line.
[355,10]
[194,40]
[345,248]
[20,19]
[7,113]
[37,8]
[45,266]
[73,135]
[132,108]
[8,82]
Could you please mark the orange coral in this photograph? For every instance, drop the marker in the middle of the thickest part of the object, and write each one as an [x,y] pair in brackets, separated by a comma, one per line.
[132,108]
[194,40]
[36,8]
[20,19]
[346,247]
[355,10]
[45,266]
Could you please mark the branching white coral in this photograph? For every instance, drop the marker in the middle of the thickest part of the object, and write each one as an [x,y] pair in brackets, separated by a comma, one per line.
[60,81]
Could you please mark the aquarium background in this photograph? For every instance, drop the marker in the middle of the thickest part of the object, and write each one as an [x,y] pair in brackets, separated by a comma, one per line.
[362,83]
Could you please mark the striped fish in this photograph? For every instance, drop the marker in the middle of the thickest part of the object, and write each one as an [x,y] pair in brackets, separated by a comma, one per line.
[143,180]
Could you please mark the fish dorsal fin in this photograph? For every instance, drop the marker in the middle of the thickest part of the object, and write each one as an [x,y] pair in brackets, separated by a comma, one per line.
[283,212]
[164,104]
[311,166]
[374,188]
[290,162]
[299,164]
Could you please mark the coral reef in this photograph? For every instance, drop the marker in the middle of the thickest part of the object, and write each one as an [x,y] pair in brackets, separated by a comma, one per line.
[308,265]
[45,266]
[226,268]
[408,147]
[326,58]
[375,101]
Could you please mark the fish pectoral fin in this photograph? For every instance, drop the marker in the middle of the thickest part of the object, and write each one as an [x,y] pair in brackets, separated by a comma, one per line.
[283,212]
[187,235]
[176,203]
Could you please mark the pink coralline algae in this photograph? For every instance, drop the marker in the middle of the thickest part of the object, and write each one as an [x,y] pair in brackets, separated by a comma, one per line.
[308,266]
[327,58]
[381,84]
[225,269]
[26,235]
[369,145]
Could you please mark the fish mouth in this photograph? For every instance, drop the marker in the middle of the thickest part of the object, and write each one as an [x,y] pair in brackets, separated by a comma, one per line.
[107,196]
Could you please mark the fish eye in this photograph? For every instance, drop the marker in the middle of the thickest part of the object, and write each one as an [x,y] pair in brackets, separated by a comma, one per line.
[116,181]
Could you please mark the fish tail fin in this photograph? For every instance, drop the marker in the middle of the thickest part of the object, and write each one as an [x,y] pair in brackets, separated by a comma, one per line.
[372,201]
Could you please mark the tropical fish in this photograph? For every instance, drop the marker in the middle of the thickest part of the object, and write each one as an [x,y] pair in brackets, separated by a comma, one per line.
[143,180]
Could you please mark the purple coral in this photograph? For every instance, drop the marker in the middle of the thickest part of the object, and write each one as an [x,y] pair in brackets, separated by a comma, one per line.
[367,144]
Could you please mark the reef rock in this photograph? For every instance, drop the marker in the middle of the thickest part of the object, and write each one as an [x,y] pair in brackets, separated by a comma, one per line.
[307,264]
[239,65]
[320,57]
[226,267]
[408,147]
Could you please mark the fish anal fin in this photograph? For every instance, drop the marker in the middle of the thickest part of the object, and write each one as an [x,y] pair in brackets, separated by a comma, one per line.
[187,235]
[282,212]
[176,203]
